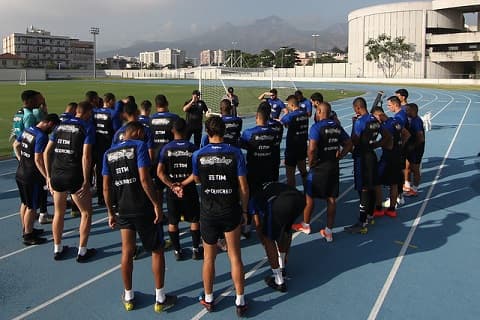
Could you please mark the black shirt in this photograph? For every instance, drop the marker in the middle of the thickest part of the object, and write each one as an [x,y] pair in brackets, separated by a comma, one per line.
[195,114]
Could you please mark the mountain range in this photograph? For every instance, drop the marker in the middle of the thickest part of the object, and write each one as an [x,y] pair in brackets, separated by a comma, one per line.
[271,32]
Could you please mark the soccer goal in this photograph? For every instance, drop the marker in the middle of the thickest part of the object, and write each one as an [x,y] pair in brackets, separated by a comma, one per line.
[23,78]
[213,91]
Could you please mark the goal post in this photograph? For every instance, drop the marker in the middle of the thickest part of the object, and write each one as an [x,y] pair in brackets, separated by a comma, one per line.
[23,78]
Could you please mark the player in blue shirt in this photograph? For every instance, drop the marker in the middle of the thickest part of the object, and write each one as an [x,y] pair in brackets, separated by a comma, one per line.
[400,114]
[145,110]
[70,111]
[415,147]
[126,173]
[277,105]
[30,175]
[389,166]
[68,162]
[365,137]
[296,122]
[175,171]
[328,143]
[220,169]
[303,102]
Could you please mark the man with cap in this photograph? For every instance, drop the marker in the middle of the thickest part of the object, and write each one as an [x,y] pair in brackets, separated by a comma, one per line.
[195,108]
[233,100]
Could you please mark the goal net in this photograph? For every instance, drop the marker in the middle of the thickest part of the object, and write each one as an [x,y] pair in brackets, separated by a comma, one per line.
[23,78]
[248,85]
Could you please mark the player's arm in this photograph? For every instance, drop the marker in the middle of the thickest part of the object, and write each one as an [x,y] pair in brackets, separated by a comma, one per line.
[386,141]
[189,104]
[107,192]
[147,185]
[163,176]
[405,135]
[312,150]
[17,147]
[264,95]
[46,160]
[86,169]
[420,138]
[40,163]
[244,195]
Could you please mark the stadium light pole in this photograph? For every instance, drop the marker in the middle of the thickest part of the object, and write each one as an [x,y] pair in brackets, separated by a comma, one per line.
[314,36]
[94,31]
[283,54]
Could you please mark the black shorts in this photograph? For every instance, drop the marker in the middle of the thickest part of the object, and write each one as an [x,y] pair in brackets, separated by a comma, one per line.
[323,181]
[150,234]
[30,193]
[389,170]
[416,155]
[213,228]
[295,154]
[70,183]
[188,206]
[365,168]
[281,213]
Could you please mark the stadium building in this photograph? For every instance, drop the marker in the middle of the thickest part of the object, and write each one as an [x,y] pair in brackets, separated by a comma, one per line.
[445,47]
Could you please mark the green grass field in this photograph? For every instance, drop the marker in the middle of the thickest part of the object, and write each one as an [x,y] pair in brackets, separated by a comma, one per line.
[59,93]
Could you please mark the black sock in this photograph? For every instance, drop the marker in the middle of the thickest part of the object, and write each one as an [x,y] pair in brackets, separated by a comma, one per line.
[195,238]
[175,238]
[364,205]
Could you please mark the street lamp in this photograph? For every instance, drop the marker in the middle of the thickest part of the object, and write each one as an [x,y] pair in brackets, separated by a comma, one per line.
[95,31]
[314,36]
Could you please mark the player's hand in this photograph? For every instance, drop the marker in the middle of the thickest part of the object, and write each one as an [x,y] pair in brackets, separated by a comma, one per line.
[83,191]
[177,190]
[158,214]
[49,187]
[112,221]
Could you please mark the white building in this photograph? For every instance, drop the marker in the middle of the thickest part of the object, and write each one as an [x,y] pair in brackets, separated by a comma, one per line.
[212,57]
[147,58]
[445,47]
[174,57]
[40,49]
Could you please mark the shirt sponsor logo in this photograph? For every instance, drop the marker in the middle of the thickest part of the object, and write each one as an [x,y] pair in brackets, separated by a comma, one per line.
[28,136]
[213,160]
[101,116]
[160,121]
[178,153]
[68,128]
[121,154]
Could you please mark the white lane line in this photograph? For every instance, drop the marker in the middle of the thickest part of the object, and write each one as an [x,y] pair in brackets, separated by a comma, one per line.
[262,262]
[66,293]
[48,239]
[452,100]
[398,261]
[10,215]
[7,173]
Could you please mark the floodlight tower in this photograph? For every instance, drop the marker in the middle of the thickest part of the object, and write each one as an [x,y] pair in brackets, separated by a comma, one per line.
[95,31]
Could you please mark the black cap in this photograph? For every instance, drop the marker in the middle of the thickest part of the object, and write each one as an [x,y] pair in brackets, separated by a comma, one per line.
[196,92]
[230,89]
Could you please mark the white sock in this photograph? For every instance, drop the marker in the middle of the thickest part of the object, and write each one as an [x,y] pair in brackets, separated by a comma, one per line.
[82,251]
[209,297]
[278,276]
[128,295]
[407,184]
[305,225]
[160,295]
[57,248]
[41,215]
[240,300]
[281,259]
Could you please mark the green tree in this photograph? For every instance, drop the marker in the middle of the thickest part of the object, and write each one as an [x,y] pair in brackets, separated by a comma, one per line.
[389,54]
[266,58]
[286,57]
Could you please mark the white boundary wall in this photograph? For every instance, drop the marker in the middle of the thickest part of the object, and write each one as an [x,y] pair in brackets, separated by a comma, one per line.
[14,74]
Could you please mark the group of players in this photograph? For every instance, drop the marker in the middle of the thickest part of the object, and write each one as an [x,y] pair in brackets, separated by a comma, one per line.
[135,156]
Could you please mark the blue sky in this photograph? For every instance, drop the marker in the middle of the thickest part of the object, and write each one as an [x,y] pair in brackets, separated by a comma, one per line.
[124,21]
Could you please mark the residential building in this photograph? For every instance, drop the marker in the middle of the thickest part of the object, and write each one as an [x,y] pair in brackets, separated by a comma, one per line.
[11,61]
[212,57]
[171,57]
[40,48]
[444,46]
